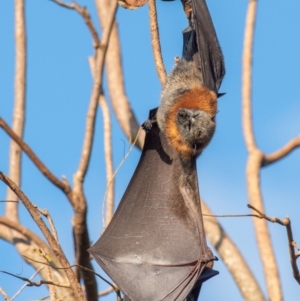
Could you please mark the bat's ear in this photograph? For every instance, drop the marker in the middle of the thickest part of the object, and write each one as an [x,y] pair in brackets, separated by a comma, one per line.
[220,94]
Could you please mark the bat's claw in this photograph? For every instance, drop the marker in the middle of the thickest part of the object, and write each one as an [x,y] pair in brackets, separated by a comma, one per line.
[147,125]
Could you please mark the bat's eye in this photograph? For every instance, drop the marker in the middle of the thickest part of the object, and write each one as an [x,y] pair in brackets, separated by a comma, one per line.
[182,114]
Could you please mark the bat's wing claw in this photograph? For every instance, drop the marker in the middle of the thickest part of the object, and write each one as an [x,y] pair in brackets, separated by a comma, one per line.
[147,125]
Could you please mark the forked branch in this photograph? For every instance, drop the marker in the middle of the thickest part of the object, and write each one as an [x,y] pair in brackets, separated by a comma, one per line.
[50,238]
[254,163]
[81,235]
[232,257]
[292,244]
[63,185]
[281,153]
[115,80]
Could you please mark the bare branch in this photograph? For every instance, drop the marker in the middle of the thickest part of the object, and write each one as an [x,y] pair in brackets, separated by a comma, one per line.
[292,244]
[5,296]
[160,68]
[247,75]
[107,151]
[114,72]
[36,161]
[51,240]
[11,209]
[283,152]
[108,159]
[232,257]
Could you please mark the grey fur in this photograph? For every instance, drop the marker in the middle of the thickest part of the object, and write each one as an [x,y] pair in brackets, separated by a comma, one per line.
[183,77]
[196,127]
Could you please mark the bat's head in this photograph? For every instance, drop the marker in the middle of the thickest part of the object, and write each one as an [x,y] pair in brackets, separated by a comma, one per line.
[190,124]
[196,128]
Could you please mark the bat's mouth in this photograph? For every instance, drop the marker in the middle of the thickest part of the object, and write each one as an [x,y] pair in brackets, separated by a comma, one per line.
[198,145]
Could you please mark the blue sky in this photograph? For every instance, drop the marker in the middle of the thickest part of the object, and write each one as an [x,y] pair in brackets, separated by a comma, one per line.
[59,85]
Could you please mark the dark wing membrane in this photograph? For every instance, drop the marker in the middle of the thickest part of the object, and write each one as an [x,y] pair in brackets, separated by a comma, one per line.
[201,45]
[152,245]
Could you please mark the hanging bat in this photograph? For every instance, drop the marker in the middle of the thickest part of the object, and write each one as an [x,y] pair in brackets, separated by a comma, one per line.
[154,247]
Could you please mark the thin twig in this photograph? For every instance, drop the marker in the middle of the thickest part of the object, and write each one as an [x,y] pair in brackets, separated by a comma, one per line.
[106,292]
[50,238]
[46,213]
[1,201]
[25,285]
[231,215]
[108,158]
[38,283]
[3,293]
[159,64]
[86,17]
[270,219]
[112,179]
